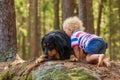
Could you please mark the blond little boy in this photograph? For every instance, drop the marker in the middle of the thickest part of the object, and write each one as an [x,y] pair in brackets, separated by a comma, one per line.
[93,46]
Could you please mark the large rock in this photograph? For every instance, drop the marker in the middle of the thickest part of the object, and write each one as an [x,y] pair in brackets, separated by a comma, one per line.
[60,72]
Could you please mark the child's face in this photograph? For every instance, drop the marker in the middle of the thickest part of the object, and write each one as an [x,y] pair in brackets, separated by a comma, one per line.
[68,32]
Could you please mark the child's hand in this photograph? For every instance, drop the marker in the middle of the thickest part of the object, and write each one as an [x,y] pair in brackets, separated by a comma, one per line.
[73,58]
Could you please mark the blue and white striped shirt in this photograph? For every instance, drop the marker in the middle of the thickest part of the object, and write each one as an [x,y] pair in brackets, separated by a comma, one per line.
[81,39]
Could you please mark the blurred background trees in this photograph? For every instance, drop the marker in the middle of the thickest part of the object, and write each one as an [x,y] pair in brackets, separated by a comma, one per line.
[35,18]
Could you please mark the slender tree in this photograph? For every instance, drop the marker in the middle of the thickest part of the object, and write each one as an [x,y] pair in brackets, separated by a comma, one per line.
[24,47]
[56,14]
[67,8]
[110,29]
[44,15]
[29,2]
[86,14]
[35,46]
[119,9]
[99,16]
[119,22]
[8,41]
[39,24]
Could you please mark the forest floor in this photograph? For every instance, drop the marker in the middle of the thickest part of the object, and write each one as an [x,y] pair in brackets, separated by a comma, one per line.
[112,73]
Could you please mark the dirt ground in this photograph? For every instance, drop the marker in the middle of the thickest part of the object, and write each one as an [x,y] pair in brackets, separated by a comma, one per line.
[112,73]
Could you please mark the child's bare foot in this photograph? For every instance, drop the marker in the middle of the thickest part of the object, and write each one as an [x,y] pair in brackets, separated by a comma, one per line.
[107,62]
[100,60]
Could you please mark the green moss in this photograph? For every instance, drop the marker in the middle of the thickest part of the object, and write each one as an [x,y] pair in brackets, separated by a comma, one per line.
[15,73]
[26,77]
[6,75]
[82,74]
[60,75]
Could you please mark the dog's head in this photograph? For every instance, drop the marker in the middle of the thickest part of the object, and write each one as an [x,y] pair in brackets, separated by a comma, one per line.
[49,47]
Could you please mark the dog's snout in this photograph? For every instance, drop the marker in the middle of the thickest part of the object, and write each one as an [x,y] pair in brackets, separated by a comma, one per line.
[46,53]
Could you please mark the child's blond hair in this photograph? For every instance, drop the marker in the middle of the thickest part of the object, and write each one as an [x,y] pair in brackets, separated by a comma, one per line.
[73,23]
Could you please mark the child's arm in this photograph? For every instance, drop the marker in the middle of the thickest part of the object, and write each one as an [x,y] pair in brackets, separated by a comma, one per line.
[79,53]
[76,50]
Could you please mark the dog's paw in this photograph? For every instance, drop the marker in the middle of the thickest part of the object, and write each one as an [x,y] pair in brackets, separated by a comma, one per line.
[73,58]
[40,59]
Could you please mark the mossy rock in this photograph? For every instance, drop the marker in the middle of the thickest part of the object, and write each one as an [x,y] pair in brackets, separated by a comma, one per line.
[60,72]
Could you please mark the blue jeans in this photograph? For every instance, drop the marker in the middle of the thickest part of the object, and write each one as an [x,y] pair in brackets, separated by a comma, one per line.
[96,46]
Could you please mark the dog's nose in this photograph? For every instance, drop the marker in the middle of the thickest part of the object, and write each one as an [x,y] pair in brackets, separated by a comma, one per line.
[46,53]
[46,56]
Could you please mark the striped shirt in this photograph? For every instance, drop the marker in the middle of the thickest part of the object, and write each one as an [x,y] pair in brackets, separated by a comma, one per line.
[81,39]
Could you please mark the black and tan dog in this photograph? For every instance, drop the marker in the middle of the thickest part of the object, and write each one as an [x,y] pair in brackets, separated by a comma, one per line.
[56,46]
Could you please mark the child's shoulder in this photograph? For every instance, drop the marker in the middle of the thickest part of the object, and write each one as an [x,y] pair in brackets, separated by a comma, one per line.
[75,33]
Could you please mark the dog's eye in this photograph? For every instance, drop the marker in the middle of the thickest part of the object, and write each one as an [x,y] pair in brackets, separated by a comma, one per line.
[47,44]
[44,44]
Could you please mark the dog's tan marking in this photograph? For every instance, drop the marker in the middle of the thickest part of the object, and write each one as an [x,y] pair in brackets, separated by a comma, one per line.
[54,53]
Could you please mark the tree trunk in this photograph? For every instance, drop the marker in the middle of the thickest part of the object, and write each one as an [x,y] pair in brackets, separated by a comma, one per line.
[86,15]
[23,47]
[119,23]
[8,41]
[56,14]
[99,16]
[29,27]
[119,10]
[44,20]
[40,24]
[110,29]
[67,8]
[35,49]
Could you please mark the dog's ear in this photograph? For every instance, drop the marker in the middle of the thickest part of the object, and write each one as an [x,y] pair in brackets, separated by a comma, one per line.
[43,48]
[59,44]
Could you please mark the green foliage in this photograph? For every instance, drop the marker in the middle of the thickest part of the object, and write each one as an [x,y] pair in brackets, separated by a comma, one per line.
[23,31]
[21,8]
[6,75]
